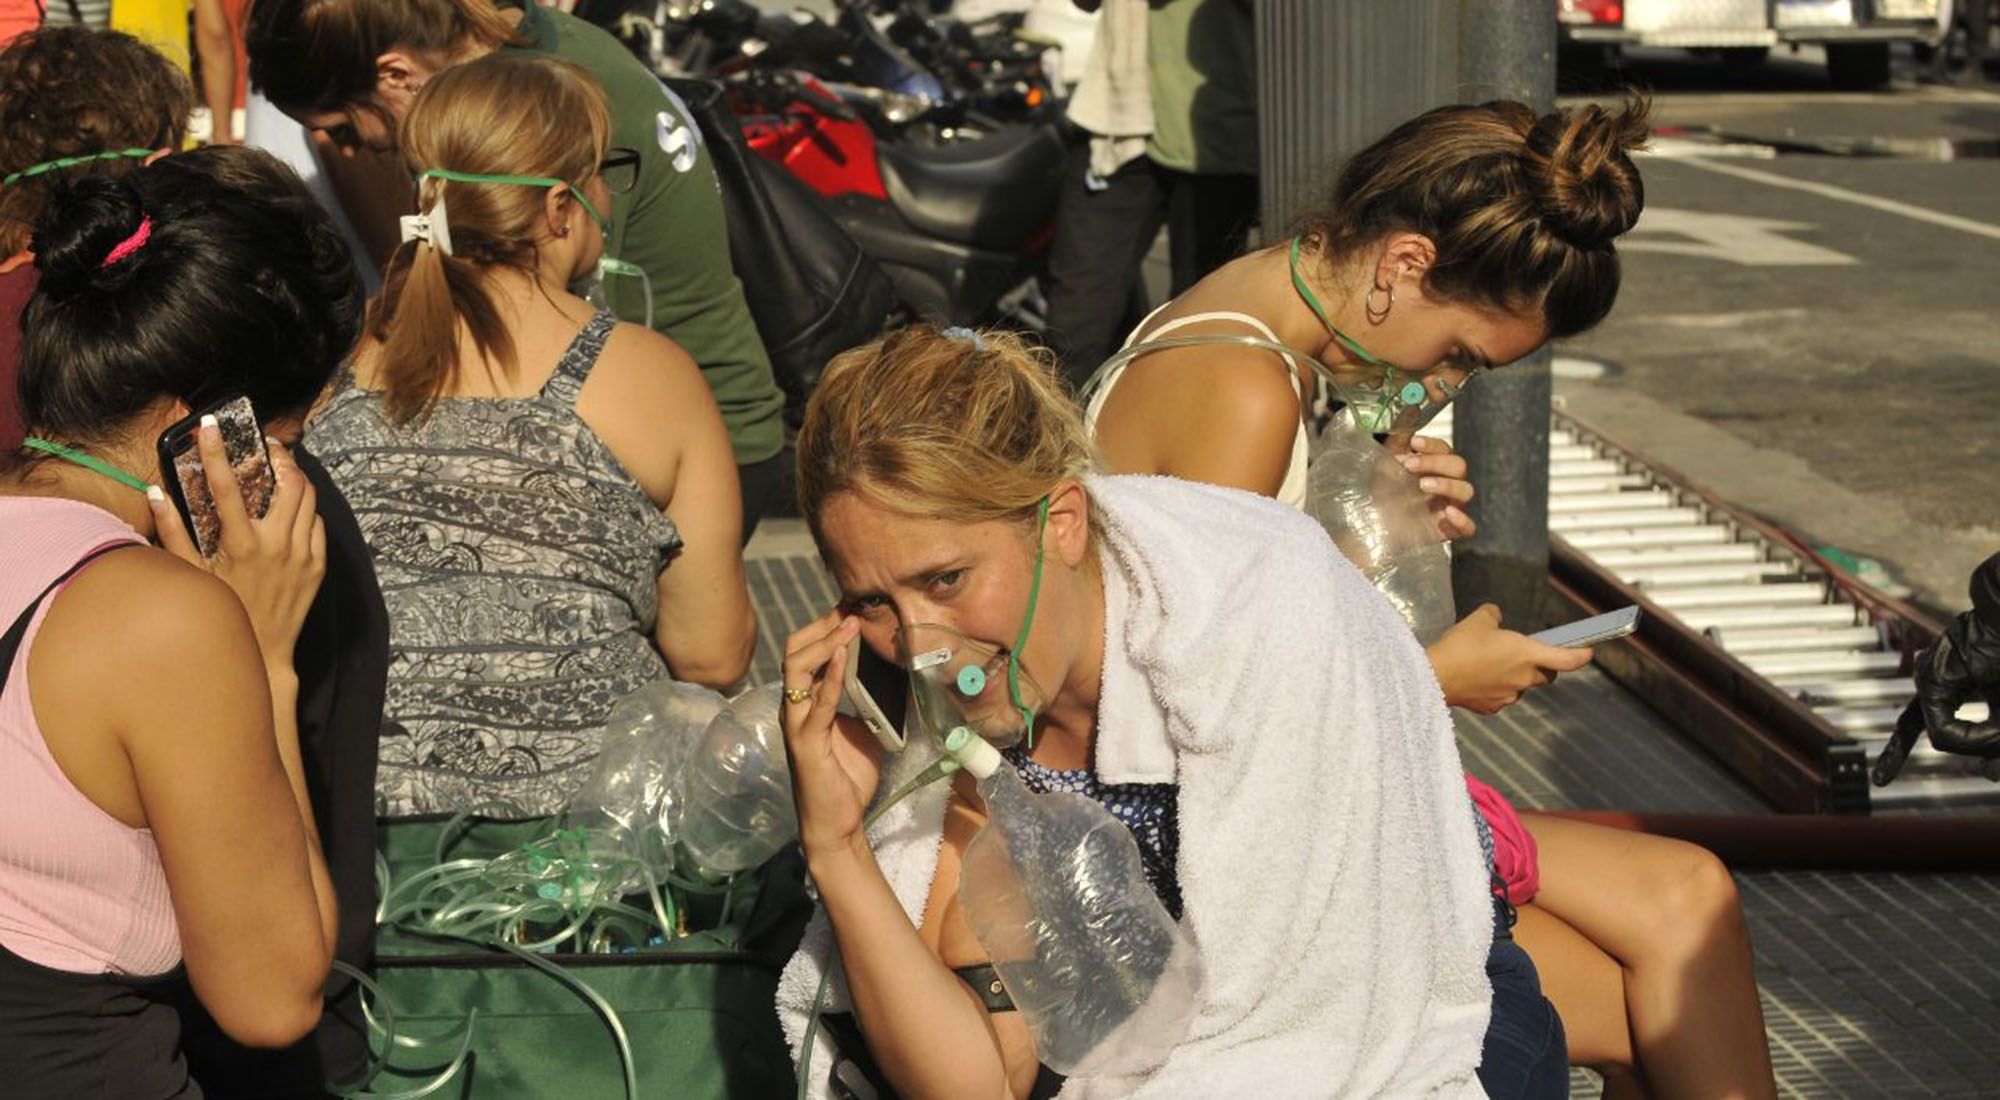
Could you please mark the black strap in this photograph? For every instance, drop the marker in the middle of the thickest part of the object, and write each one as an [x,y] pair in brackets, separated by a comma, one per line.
[985,983]
[10,643]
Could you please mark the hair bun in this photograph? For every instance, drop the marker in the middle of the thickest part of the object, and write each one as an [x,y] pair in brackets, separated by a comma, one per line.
[1584,180]
[81,225]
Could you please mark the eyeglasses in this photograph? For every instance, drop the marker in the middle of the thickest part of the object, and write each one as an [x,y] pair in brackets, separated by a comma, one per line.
[620,170]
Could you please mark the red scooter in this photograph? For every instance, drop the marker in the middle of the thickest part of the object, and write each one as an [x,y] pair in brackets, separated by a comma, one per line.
[961,227]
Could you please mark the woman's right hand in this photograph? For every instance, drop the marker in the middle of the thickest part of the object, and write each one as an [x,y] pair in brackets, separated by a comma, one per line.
[834,764]
[273,564]
[1486,669]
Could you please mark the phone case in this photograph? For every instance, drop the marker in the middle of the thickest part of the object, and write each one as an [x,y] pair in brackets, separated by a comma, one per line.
[243,442]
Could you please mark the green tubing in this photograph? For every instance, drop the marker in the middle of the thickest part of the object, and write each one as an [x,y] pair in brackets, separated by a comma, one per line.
[925,778]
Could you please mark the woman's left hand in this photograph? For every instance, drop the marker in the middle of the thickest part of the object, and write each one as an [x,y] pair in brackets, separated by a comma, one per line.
[1441,475]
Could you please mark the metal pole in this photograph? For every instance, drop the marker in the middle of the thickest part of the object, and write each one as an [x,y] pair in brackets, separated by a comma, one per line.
[1508,51]
[1334,75]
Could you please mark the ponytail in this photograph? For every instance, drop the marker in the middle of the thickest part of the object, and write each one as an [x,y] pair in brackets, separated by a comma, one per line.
[416,318]
[495,116]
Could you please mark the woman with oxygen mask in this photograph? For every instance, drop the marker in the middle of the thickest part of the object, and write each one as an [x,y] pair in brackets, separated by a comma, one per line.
[1086,699]
[550,493]
[1465,238]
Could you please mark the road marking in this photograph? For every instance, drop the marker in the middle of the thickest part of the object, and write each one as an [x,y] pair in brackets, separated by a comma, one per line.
[1730,238]
[1842,194]
[1741,318]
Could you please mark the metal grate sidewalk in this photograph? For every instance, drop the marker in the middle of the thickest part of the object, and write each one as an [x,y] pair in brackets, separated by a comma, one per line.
[1874,985]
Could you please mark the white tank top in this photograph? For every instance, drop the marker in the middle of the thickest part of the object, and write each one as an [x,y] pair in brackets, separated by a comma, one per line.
[1292,490]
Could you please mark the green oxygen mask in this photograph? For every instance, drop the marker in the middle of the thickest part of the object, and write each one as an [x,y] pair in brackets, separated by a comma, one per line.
[958,682]
[1382,398]
[433,228]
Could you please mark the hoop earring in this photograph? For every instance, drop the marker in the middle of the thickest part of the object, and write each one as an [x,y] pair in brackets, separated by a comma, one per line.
[1377,316]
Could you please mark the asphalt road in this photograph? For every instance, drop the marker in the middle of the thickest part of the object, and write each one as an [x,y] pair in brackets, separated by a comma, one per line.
[1813,335]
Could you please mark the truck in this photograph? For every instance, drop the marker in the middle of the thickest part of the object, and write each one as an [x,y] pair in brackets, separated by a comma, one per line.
[1856,34]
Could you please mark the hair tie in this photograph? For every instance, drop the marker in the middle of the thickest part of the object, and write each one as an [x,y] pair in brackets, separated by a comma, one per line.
[964,336]
[130,244]
[430,227]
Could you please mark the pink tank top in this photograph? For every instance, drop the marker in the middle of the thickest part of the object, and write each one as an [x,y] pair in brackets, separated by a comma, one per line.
[79,890]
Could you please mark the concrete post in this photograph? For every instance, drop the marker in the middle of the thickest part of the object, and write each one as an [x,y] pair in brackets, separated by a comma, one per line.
[1502,422]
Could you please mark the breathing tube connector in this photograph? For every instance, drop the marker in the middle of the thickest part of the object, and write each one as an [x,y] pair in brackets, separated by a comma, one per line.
[972,752]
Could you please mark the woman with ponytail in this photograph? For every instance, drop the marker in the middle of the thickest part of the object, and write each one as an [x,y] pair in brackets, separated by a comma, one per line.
[349,70]
[549,494]
[1463,240]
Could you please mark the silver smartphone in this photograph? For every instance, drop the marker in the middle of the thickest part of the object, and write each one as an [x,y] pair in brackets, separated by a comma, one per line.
[877,693]
[1591,631]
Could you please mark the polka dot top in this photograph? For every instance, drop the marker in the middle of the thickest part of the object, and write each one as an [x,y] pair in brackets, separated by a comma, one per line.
[1150,810]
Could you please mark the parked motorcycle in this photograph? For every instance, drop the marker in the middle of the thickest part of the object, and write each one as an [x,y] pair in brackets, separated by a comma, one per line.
[961,229]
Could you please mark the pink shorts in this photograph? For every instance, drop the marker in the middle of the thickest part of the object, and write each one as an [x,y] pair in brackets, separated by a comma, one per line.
[1513,848]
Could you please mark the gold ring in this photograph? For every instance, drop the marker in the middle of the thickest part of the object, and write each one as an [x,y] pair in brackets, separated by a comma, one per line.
[796,696]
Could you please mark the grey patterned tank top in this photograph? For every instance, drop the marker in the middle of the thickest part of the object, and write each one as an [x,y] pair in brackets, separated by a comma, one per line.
[519,562]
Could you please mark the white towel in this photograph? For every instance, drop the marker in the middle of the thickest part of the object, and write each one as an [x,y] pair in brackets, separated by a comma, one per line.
[1328,860]
[1114,100]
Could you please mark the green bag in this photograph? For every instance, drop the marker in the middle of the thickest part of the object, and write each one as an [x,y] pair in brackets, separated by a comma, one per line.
[698,1013]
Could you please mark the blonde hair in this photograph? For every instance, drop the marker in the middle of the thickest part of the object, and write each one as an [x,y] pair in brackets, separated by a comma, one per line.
[500,115]
[964,428]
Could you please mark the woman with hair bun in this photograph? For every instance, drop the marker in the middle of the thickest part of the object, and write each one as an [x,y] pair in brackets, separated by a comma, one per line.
[1465,239]
[155,823]
[74,102]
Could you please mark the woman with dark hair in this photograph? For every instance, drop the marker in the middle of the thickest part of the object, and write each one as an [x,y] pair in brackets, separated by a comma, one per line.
[349,69]
[160,819]
[1463,240]
[74,102]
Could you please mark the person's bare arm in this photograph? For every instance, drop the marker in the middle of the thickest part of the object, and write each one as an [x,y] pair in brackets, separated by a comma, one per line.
[648,401]
[931,1038]
[215,44]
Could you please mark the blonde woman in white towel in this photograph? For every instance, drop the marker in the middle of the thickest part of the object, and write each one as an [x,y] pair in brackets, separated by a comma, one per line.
[1200,661]
[1467,238]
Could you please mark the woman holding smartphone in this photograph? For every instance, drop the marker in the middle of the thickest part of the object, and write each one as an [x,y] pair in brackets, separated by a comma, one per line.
[155,817]
[1465,239]
[1298,808]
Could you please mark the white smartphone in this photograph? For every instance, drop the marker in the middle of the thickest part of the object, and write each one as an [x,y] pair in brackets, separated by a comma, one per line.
[1597,628]
[877,692]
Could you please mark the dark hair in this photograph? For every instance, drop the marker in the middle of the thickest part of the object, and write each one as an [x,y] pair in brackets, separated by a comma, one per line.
[69,91]
[319,55]
[243,285]
[1523,209]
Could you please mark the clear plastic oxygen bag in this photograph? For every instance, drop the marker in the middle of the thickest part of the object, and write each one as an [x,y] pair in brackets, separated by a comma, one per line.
[736,790]
[631,802]
[1356,488]
[1381,521]
[1053,889]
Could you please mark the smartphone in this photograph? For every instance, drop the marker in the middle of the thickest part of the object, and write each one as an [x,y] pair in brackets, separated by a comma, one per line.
[1597,628]
[877,693]
[180,467]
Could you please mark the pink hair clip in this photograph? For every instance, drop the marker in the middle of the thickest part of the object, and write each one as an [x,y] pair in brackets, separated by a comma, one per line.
[132,243]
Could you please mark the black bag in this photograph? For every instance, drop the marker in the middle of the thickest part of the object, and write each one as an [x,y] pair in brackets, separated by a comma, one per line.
[812,291]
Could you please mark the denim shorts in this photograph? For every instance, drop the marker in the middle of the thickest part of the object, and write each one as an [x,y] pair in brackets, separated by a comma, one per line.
[1525,1056]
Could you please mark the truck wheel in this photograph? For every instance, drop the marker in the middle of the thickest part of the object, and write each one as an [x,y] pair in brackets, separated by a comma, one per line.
[1858,66]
